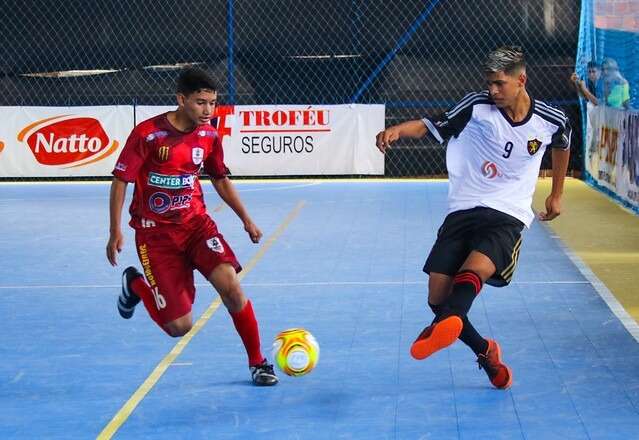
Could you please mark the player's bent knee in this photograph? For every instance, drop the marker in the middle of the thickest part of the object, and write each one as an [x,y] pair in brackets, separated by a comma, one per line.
[227,284]
[230,290]
[224,279]
[178,328]
[177,332]
[233,299]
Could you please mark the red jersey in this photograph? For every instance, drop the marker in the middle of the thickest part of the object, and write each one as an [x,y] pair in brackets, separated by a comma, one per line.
[164,163]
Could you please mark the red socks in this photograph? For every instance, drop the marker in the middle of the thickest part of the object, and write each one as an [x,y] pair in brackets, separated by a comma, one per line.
[246,326]
[244,320]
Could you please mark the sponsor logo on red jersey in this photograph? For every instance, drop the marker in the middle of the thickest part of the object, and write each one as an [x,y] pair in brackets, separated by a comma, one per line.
[171,182]
[67,141]
[160,202]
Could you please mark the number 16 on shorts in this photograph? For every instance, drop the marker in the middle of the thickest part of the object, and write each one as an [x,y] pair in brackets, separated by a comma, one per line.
[160,302]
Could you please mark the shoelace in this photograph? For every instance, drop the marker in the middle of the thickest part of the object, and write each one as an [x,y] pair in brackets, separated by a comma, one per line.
[264,369]
[485,364]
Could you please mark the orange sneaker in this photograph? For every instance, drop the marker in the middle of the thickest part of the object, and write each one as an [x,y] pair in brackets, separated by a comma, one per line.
[500,375]
[436,336]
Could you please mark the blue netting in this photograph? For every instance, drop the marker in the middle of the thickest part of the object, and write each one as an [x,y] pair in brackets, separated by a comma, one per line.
[609,36]
[600,40]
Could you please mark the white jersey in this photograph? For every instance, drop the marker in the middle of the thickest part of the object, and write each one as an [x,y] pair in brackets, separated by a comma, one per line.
[493,161]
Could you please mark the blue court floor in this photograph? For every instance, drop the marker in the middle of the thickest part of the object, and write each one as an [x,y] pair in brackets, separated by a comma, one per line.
[344,261]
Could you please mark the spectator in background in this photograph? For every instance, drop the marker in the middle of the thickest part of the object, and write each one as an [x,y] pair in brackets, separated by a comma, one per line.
[616,89]
[592,88]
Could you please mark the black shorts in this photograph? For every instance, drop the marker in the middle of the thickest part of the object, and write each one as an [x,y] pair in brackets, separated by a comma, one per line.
[486,230]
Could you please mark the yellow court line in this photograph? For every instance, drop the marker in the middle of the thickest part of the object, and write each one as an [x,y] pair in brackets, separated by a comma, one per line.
[130,405]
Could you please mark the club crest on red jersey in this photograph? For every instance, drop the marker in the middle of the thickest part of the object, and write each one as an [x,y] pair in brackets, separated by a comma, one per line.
[163,153]
[215,245]
[533,146]
[198,155]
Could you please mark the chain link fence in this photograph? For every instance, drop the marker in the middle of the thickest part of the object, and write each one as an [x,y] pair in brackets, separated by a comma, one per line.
[416,56]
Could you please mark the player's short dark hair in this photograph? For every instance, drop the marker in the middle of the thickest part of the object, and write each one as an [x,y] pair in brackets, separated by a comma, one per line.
[507,59]
[193,79]
[593,65]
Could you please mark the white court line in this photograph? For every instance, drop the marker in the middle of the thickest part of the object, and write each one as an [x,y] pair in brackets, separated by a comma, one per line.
[308,283]
[255,180]
[301,185]
[279,188]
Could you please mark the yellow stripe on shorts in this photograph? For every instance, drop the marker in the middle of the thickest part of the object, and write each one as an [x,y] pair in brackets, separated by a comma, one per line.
[507,273]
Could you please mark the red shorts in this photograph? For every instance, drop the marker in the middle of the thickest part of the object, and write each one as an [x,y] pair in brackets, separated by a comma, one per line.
[169,254]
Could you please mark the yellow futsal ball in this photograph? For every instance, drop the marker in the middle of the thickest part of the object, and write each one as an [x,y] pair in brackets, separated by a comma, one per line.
[295,351]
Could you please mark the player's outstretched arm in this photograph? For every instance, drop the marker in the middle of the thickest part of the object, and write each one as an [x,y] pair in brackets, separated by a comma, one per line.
[411,129]
[116,202]
[228,193]
[559,168]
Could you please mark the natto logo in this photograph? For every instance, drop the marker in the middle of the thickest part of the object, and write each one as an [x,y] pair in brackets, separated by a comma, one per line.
[68,141]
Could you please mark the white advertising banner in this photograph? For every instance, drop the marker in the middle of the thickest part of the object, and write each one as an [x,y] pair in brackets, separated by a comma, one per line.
[62,141]
[279,140]
[612,158]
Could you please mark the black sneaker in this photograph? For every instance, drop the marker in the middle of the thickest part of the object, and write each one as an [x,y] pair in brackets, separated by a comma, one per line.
[128,299]
[263,374]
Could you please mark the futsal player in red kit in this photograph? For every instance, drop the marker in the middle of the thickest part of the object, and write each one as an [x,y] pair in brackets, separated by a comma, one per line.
[174,235]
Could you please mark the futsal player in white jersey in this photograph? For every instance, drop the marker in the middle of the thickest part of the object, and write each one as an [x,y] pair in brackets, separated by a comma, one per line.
[496,141]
